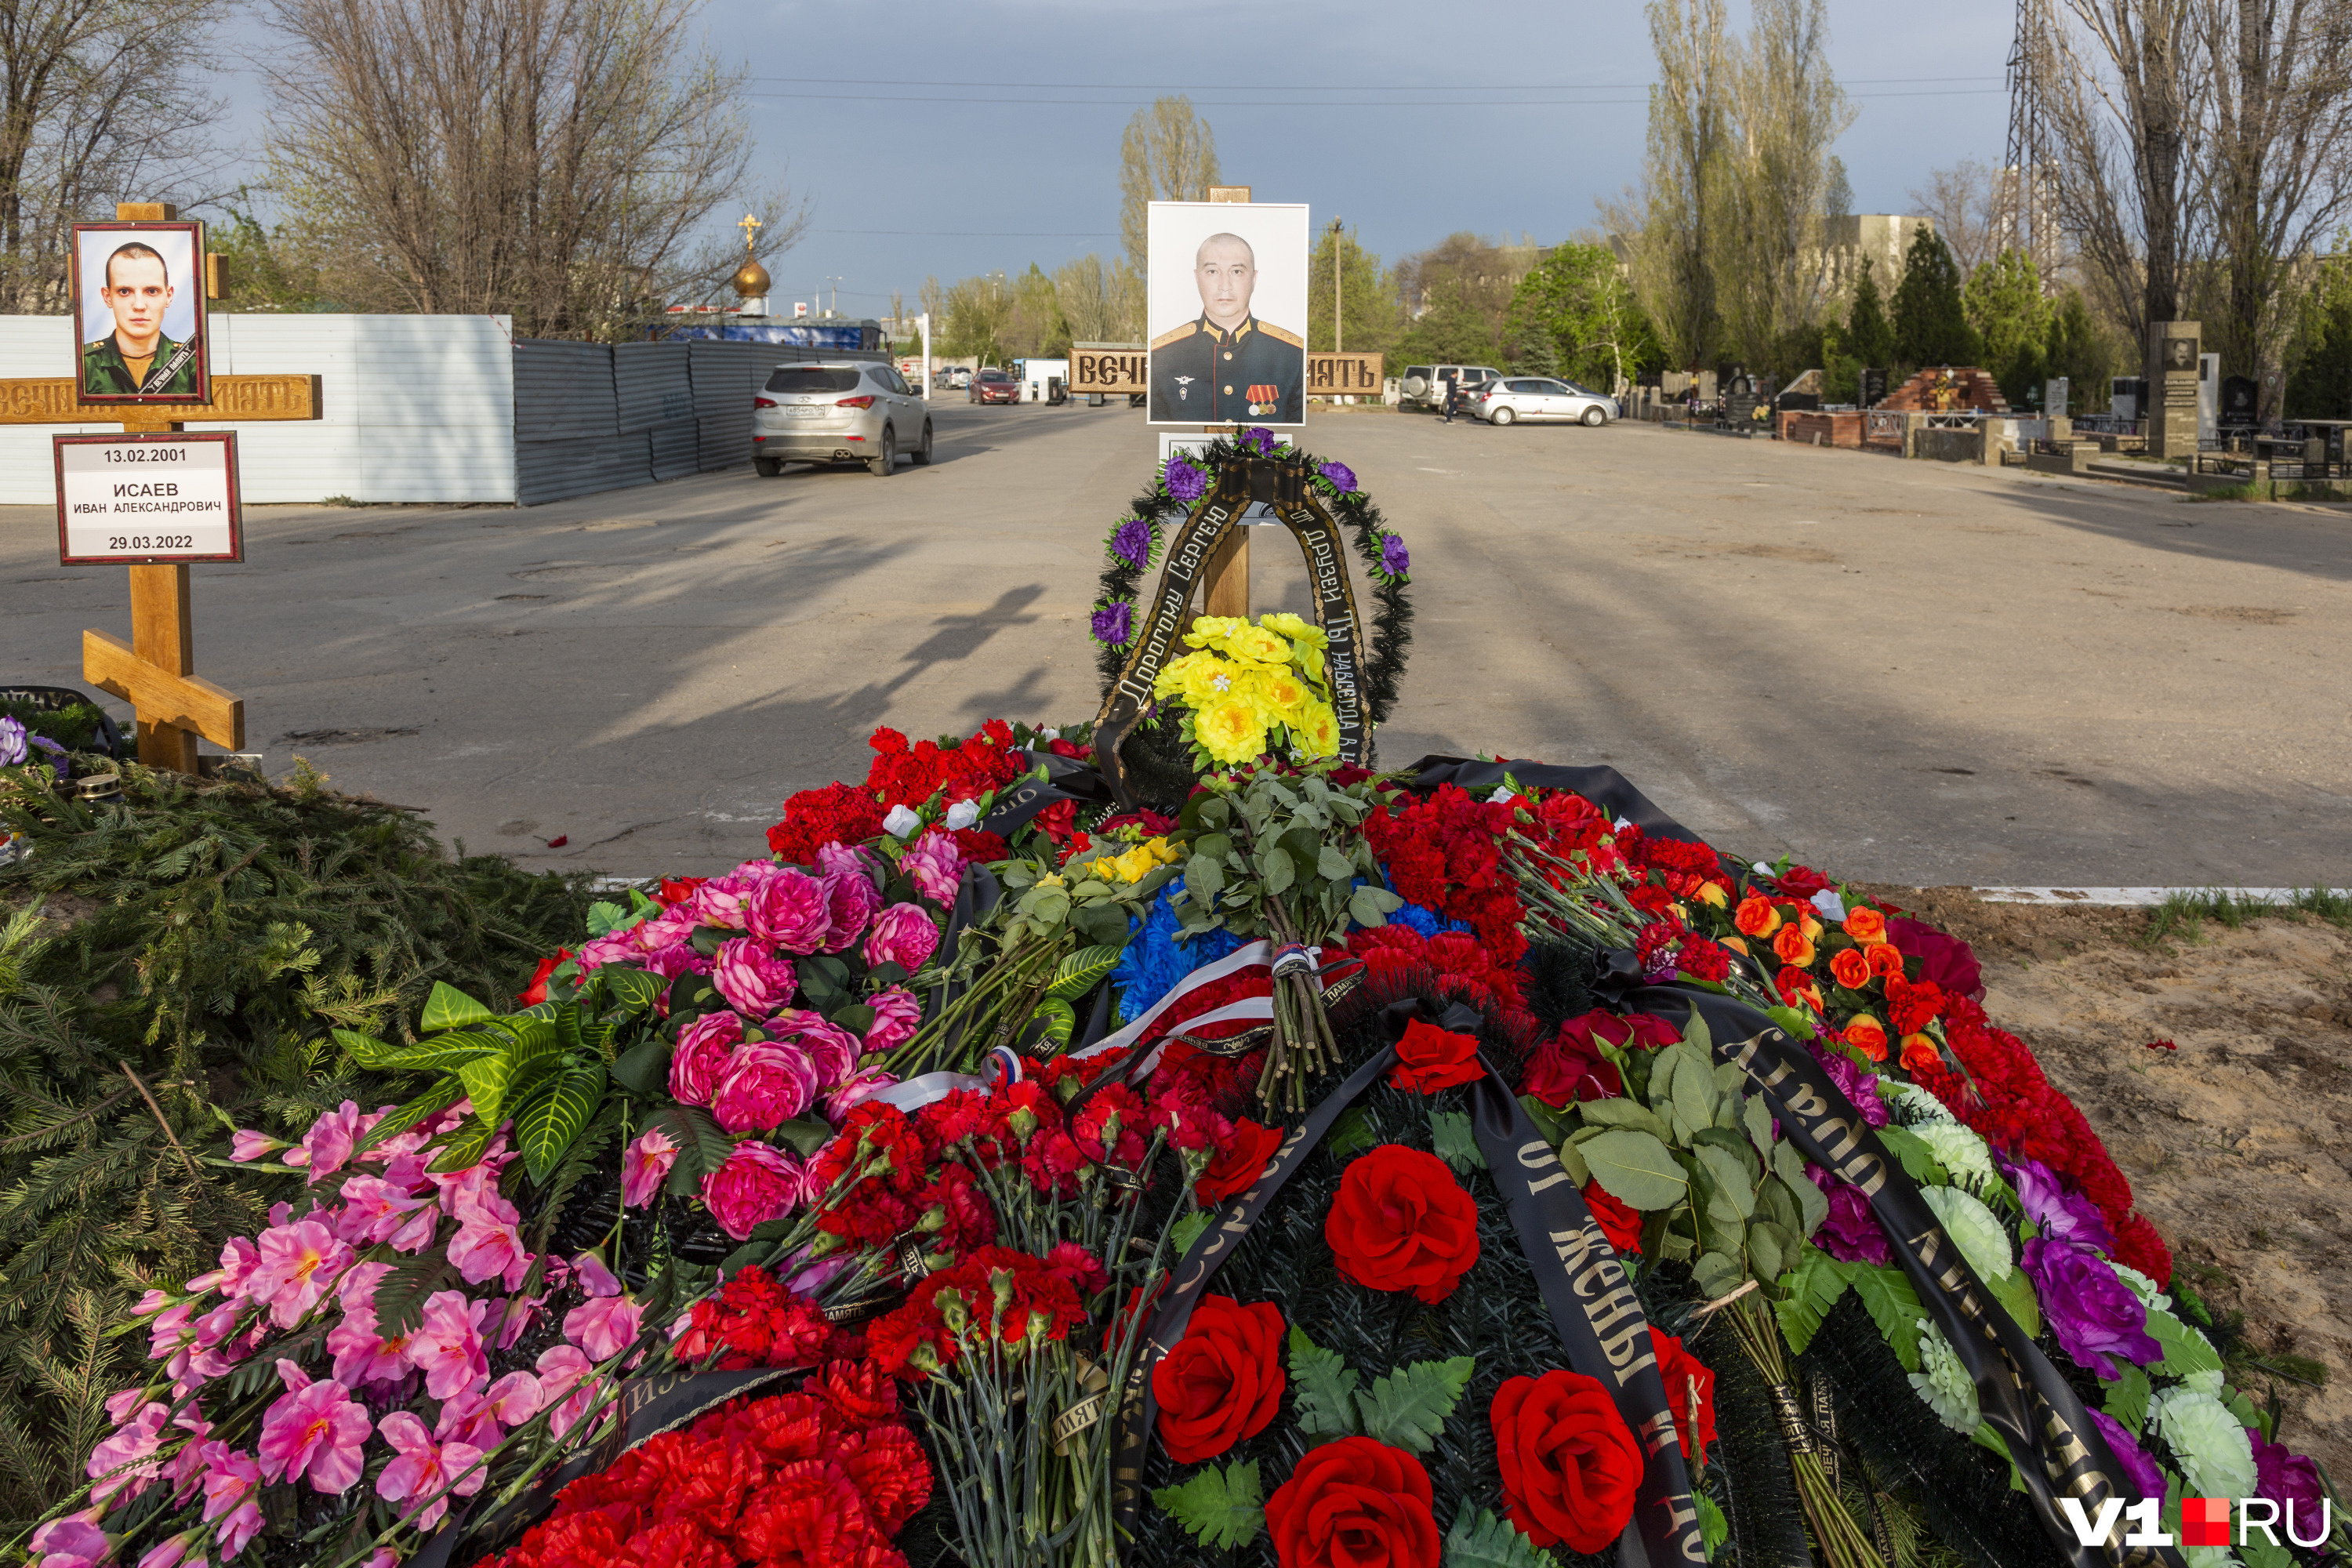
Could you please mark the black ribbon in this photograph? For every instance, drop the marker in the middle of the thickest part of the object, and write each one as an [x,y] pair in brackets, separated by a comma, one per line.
[1326,550]
[1067,778]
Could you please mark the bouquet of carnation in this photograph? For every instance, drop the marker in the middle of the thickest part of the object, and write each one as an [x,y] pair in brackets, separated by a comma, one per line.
[1247,689]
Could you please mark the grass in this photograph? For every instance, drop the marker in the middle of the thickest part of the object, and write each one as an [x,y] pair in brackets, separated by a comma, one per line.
[2182,915]
[2232,492]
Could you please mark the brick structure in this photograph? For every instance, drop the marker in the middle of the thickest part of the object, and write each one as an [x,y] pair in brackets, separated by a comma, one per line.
[1810,429]
[1948,389]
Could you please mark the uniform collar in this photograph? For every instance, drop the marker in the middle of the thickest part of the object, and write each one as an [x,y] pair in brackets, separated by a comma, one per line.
[1237,335]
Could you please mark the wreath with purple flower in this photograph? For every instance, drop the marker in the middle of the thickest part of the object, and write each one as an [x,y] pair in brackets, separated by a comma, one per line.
[1134,544]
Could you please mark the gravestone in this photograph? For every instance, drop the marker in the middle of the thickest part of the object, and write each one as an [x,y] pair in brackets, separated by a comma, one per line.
[2240,398]
[1873,386]
[2170,407]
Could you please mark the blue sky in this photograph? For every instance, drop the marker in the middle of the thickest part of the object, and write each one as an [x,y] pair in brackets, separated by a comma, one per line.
[1313,100]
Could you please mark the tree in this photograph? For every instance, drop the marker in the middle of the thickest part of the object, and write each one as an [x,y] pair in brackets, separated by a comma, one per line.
[2079,351]
[1962,203]
[972,316]
[1168,153]
[267,271]
[554,159]
[2320,384]
[1665,223]
[1931,323]
[1370,317]
[1575,315]
[1458,296]
[1869,337]
[1086,292]
[100,101]
[2006,308]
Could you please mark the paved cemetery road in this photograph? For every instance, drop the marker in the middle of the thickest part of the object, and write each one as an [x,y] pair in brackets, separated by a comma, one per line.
[1898,671]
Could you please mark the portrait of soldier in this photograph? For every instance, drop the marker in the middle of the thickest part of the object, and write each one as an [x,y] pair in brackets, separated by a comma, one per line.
[1227,366]
[137,357]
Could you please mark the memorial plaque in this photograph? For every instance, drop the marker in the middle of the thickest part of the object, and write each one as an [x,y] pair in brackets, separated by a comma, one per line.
[148,499]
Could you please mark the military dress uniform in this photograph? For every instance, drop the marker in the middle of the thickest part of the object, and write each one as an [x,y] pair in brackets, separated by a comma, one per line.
[1255,371]
[104,373]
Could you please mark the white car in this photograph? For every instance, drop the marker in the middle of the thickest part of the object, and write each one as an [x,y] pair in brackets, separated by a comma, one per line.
[838,412]
[1540,397]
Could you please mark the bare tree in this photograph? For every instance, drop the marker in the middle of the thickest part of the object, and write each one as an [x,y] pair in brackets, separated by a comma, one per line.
[1964,204]
[1168,153]
[1665,224]
[100,101]
[1087,293]
[554,158]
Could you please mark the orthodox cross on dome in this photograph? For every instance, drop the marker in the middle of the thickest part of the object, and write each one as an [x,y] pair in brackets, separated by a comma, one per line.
[751,226]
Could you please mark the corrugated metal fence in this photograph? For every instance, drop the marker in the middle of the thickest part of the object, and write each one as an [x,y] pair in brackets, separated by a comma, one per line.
[590,416]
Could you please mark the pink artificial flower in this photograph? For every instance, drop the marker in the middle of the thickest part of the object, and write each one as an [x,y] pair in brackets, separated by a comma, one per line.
[565,1376]
[357,1287]
[187,1467]
[831,1049]
[754,981]
[120,1407]
[936,865]
[515,1317]
[855,1091]
[362,1355]
[238,1257]
[299,1261]
[167,1334]
[421,1468]
[592,1277]
[896,1017]
[487,1246]
[756,1184]
[850,901]
[835,856]
[218,1324]
[645,1166]
[383,1557]
[669,962]
[246,1143]
[332,1138]
[789,909]
[700,1058]
[448,1344]
[118,1462]
[604,1328]
[374,1210]
[514,1398]
[314,1431]
[472,1188]
[903,935]
[71,1542]
[765,1087]
[164,1553]
[151,1302]
[721,901]
[468,1419]
[605,949]
[417,1233]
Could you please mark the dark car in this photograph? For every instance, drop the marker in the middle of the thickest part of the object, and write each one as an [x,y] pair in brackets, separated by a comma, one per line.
[994,387]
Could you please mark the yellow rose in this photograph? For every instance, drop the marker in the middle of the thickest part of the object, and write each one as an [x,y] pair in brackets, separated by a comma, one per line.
[1257,643]
[1282,692]
[1317,731]
[1050,880]
[1136,864]
[1229,730]
[1167,854]
[1211,630]
[1178,674]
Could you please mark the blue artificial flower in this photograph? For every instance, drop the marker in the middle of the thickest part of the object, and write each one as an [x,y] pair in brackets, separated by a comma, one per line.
[1114,623]
[1155,960]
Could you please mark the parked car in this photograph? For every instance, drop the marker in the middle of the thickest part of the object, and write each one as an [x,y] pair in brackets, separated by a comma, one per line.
[1540,397]
[1425,384]
[956,377]
[994,385]
[849,412]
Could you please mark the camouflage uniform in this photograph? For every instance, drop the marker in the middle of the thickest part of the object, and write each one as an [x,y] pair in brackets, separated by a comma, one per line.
[104,373]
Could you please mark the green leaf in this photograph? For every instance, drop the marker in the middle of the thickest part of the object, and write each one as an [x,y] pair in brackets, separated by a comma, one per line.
[1056,1017]
[1222,1507]
[400,1295]
[634,991]
[2185,1350]
[549,1125]
[1322,1389]
[1714,1530]
[1769,1249]
[1731,1180]
[443,1051]
[1407,1409]
[449,1008]
[703,1144]
[1479,1539]
[365,1049]
[644,1070]
[1634,1168]
[1186,1231]
[1717,1274]
[1349,1134]
[465,1146]
[2127,1399]
[1365,910]
[1083,971]
[1912,1150]
[1758,1121]
[1626,1113]
[1812,1203]
[2016,1293]
[431,1103]
[1808,1292]
[1278,869]
[1332,866]
[1455,1141]
[1796,1024]
[1893,1305]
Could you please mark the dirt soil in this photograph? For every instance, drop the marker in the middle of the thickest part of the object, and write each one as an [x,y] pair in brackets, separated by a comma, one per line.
[2235,1139]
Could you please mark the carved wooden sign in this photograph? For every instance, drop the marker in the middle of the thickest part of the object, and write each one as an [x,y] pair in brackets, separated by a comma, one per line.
[1343,375]
[1116,369]
[50,400]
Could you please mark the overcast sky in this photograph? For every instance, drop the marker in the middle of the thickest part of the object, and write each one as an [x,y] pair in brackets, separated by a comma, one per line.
[1008,150]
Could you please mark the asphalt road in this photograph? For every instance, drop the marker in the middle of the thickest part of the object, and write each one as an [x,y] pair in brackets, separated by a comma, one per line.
[1896,671]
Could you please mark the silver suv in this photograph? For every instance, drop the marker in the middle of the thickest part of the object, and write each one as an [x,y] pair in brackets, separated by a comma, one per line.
[849,412]
[1425,384]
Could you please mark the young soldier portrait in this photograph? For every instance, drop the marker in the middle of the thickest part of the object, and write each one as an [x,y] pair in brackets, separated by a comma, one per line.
[138,358]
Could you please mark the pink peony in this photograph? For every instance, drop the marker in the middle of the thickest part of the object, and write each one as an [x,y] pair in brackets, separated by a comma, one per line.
[374,1210]
[903,935]
[299,1261]
[896,1016]
[669,962]
[754,981]
[756,1184]
[835,856]
[245,1144]
[487,1246]
[645,1163]
[448,1344]
[789,910]
[71,1543]
[833,1050]
[422,1469]
[936,865]
[722,900]
[700,1058]
[855,1091]
[314,1430]
[765,1087]
[603,1328]
[850,901]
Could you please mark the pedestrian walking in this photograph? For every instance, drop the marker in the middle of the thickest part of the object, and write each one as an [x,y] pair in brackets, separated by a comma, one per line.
[1453,397]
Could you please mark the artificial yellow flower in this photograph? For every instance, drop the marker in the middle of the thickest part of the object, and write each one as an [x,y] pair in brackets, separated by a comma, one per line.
[1230,730]
[1297,629]
[1281,691]
[1050,880]
[1210,629]
[1179,674]
[1310,662]
[1167,854]
[1257,643]
[1133,866]
[1317,731]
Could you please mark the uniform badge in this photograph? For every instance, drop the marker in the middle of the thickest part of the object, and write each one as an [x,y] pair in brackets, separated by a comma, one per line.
[1183,388]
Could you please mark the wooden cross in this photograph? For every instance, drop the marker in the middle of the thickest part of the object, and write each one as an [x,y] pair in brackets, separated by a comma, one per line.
[156,672]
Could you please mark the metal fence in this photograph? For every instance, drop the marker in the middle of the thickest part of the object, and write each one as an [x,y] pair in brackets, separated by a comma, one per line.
[594,416]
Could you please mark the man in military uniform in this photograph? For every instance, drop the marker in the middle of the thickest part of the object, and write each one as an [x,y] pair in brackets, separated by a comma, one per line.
[136,357]
[1227,367]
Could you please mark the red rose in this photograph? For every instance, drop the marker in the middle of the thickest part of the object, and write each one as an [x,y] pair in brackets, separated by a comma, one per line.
[1402,1222]
[1238,1164]
[1430,1059]
[1620,1224]
[535,993]
[1355,1503]
[1690,1392]
[1222,1381]
[1570,1465]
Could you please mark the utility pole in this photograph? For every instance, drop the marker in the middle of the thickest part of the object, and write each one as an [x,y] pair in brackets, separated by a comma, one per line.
[1339,344]
[835,283]
[2024,206]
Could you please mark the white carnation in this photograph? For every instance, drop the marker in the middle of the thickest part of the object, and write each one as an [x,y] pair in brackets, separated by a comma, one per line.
[1959,1151]
[1974,1231]
[1913,1107]
[1942,1382]
[2154,1300]
[2216,1458]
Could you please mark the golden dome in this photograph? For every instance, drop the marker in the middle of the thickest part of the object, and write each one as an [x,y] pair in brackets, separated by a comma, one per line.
[750,280]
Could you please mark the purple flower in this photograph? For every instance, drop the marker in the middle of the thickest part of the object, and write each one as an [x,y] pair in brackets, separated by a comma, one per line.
[1186,483]
[1849,1233]
[1259,436]
[2057,1207]
[1131,542]
[12,743]
[1860,1087]
[1114,623]
[2286,1477]
[1946,960]
[1342,478]
[2091,1313]
[2140,1473]
[1395,559]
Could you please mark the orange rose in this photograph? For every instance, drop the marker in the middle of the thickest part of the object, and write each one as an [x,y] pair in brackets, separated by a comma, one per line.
[1793,946]
[1868,1036]
[1713,895]
[1850,969]
[1920,1052]
[1756,916]
[1812,927]
[1885,957]
[1866,925]
[1795,985]
[1736,945]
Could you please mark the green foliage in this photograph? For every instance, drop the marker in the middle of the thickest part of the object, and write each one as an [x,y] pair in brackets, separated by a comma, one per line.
[1930,317]
[1407,1409]
[74,726]
[1576,309]
[2319,387]
[2079,352]
[1869,335]
[1479,1539]
[1270,852]
[1323,1389]
[1454,1140]
[265,270]
[1222,1507]
[206,936]
[2006,307]
[1369,318]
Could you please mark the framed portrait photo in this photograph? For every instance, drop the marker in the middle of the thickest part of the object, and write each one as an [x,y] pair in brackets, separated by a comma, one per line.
[139,313]
[1225,312]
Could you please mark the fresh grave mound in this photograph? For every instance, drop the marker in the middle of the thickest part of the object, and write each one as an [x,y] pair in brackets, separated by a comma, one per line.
[1027,1163]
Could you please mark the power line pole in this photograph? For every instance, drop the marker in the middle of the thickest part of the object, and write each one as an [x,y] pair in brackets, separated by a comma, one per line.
[1339,344]
[2024,204]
